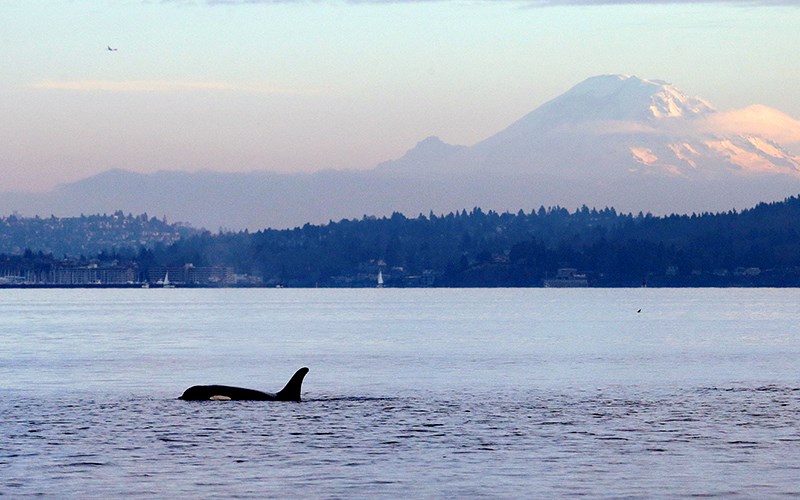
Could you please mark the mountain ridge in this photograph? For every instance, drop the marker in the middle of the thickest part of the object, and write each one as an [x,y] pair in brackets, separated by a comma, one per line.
[611,140]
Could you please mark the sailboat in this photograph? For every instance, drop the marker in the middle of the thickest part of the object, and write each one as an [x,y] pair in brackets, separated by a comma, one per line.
[167,284]
[380,279]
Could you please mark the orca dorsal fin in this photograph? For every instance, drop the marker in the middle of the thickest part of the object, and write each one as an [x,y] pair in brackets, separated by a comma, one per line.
[292,390]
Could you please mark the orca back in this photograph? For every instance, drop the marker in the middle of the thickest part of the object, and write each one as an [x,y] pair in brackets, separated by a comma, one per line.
[291,392]
[224,393]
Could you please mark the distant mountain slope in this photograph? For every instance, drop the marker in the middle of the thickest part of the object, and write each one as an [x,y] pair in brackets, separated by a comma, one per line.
[612,140]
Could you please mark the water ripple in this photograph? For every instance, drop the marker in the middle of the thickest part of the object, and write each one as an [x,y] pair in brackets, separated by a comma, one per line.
[380,445]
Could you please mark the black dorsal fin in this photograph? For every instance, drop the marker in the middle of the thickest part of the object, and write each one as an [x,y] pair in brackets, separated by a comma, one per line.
[292,390]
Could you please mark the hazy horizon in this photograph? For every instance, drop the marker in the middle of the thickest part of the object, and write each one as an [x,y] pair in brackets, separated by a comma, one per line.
[292,86]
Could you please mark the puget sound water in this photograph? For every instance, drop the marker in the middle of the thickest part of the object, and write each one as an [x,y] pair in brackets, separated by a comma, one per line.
[442,393]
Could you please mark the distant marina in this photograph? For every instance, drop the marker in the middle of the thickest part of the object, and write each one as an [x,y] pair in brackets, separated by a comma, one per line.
[187,276]
[567,278]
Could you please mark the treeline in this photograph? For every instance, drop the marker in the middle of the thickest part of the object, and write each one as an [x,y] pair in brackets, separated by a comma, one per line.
[759,246]
[755,247]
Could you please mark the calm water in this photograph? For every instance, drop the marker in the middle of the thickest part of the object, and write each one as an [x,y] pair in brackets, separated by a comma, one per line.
[422,393]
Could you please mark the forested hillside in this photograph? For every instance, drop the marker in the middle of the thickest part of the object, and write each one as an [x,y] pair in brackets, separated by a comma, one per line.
[755,247]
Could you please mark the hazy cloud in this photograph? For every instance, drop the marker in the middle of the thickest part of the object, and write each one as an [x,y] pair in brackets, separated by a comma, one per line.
[160,86]
[757,120]
[554,3]
[532,3]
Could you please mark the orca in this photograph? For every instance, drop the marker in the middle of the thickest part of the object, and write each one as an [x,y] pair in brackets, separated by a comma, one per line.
[227,393]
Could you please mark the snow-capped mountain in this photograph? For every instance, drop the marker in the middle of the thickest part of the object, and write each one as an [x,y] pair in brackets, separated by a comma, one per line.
[622,126]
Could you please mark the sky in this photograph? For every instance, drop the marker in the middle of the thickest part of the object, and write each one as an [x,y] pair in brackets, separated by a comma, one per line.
[307,85]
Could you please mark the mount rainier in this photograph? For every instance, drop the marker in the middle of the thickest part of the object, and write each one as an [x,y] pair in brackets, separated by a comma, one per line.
[619,126]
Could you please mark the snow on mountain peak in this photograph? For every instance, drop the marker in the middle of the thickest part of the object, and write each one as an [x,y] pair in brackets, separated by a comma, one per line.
[624,98]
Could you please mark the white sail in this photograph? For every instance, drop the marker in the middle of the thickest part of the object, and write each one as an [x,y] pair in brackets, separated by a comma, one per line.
[167,284]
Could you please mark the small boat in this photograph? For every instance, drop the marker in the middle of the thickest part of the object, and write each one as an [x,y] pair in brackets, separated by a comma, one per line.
[166,282]
[380,279]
